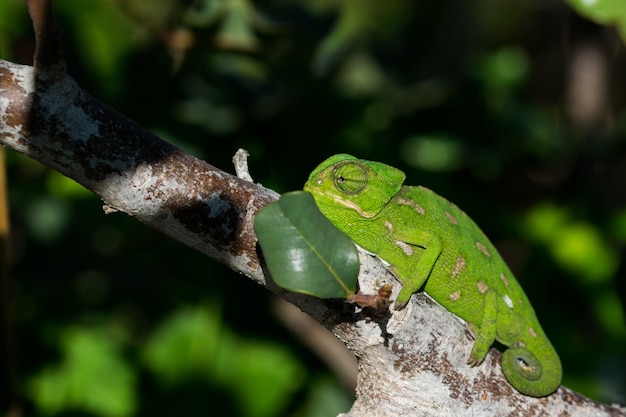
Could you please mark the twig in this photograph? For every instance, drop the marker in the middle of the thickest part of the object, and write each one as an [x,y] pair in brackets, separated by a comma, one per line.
[48,61]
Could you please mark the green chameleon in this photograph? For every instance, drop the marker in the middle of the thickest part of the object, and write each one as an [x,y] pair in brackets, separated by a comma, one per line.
[429,242]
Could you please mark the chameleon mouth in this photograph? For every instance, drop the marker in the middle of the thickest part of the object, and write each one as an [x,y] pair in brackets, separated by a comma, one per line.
[338,201]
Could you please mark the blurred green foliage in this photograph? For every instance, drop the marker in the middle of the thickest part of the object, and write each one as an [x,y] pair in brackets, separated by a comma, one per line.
[92,376]
[261,376]
[603,11]
[514,110]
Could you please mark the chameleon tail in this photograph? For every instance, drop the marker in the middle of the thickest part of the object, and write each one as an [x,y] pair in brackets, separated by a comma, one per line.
[525,372]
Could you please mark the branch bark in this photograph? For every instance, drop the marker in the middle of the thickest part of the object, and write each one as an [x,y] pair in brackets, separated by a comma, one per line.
[410,363]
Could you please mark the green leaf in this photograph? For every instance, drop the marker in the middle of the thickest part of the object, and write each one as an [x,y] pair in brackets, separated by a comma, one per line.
[304,252]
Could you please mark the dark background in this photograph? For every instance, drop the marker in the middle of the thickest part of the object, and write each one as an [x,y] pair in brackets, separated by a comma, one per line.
[514,110]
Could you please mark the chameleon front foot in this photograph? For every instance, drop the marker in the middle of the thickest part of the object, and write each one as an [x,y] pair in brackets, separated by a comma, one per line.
[403,298]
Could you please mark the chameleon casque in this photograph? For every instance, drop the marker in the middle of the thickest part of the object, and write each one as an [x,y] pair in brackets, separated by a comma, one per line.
[430,243]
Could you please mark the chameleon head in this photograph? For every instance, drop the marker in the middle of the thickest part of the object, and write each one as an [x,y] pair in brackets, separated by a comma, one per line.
[363,186]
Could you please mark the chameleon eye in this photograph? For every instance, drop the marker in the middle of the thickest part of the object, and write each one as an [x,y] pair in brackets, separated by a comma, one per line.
[350,178]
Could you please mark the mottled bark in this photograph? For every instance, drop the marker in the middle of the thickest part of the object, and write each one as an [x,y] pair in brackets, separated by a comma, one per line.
[132,170]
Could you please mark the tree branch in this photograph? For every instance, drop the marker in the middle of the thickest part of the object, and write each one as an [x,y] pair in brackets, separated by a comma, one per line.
[132,170]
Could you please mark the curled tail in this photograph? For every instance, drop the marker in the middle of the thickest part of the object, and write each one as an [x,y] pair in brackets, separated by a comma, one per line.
[536,375]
